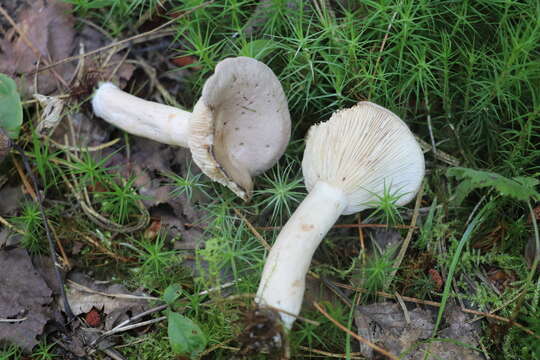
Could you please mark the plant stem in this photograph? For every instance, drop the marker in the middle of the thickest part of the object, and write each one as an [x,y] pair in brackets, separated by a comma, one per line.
[283,280]
[162,123]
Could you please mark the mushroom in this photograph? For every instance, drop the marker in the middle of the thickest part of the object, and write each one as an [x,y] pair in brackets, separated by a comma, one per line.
[239,127]
[348,161]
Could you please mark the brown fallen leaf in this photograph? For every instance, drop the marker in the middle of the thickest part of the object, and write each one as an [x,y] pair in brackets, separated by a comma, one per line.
[386,324]
[114,300]
[24,295]
[47,36]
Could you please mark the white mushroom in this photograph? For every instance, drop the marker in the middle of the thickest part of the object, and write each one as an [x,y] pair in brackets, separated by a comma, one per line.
[348,160]
[239,127]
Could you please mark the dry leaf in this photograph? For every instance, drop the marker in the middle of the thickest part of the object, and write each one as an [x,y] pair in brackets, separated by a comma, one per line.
[50,117]
[48,27]
[23,295]
[387,325]
[84,294]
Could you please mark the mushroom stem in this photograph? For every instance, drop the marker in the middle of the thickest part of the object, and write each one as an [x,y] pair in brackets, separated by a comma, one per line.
[162,123]
[283,280]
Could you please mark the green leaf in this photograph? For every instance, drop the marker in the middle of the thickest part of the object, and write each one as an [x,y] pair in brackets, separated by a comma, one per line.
[520,188]
[10,107]
[258,49]
[186,337]
[171,293]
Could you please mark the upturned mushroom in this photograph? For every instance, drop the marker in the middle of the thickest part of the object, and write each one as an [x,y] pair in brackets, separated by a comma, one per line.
[239,127]
[348,161]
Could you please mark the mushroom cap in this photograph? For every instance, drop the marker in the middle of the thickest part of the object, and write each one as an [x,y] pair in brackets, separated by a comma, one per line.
[241,125]
[364,150]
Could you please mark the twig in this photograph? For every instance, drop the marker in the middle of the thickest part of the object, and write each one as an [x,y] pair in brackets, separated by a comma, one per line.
[332,355]
[408,237]
[87,148]
[134,326]
[11,227]
[385,38]
[301,318]
[404,308]
[361,239]
[252,229]
[126,322]
[52,248]
[2,320]
[104,249]
[217,346]
[60,247]
[119,296]
[24,179]
[354,335]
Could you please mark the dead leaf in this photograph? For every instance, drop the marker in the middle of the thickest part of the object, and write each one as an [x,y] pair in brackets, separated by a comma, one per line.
[23,295]
[87,133]
[48,26]
[386,324]
[50,116]
[84,294]
[12,197]
[385,240]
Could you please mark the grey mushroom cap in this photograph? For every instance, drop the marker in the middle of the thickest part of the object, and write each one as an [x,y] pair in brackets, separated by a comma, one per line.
[241,125]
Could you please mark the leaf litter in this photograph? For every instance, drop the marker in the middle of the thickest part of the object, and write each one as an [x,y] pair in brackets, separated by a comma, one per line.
[24,295]
[114,300]
[407,333]
[46,35]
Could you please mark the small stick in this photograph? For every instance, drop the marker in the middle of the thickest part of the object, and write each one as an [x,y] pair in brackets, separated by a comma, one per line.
[354,335]
[353,355]
[11,227]
[404,308]
[301,318]
[24,179]
[60,246]
[85,149]
[12,320]
[385,38]
[52,248]
[105,250]
[253,229]
[361,235]
[405,246]
[134,326]
[119,296]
